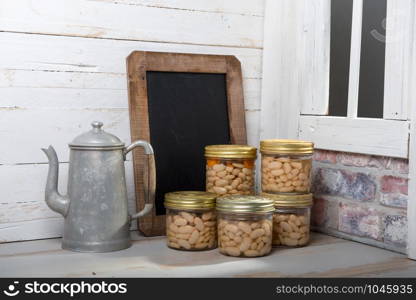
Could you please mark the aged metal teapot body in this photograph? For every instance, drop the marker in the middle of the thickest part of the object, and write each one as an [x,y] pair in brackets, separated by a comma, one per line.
[95,208]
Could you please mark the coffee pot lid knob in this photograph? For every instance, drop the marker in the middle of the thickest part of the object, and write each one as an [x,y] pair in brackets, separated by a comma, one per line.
[97,124]
[97,139]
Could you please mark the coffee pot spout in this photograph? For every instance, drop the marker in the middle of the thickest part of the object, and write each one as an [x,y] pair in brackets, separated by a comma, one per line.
[54,200]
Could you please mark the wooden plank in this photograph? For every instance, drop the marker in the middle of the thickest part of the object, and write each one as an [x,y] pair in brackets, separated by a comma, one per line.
[74,54]
[23,212]
[31,230]
[280,105]
[42,127]
[399,56]
[235,99]
[61,79]
[313,57]
[35,89]
[411,205]
[58,127]
[97,20]
[151,258]
[355,55]
[295,63]
[243,7]
[253,128]
[369,136]
[25,183]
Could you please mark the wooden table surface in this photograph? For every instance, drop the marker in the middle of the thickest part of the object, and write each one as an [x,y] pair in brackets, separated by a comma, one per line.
[149,257]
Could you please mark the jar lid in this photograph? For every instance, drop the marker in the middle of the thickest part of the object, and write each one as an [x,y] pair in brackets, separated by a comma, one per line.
[230,151]
[287,200]
[245,204]
[96,138]
[286,147]
[190,200]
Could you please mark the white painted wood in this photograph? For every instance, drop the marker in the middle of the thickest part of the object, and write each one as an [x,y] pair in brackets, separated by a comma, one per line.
[295,65]
[149,257]
[253,130]
[31,230]
[399,56]
[243,7]
[280,104]
[62,65]
[28,130]
[411,205]
[33,89]
[370,136]
[85,76]
[23,211]
[355,55]
[130,22]
[74,54]
[313,56]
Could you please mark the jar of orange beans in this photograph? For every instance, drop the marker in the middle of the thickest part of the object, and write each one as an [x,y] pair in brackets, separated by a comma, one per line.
[230,169]
[286,166]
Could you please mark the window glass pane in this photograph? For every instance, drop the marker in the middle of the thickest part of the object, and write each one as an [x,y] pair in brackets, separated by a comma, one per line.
[341,21]
[373,48]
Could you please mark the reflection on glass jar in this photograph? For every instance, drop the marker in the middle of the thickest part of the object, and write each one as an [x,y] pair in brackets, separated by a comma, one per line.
[191,222]
[286,166]
[244,225]
[230,169]
[291,219]
[291,226]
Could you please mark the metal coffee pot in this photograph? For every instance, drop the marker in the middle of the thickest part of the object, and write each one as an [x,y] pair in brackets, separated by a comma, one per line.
[95,208]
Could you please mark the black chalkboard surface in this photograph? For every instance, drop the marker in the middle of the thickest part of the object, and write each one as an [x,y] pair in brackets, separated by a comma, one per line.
[187,111]
[180,103]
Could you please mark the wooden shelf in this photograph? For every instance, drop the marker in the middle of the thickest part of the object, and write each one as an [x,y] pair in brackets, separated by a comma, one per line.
[149,257]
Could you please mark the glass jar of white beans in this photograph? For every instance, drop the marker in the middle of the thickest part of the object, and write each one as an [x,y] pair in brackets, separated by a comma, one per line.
[244,225]
[286,166]
[191,222]
[230,169]
[291,219]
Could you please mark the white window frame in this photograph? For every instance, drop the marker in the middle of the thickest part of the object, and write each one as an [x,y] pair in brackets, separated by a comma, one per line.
[295,86]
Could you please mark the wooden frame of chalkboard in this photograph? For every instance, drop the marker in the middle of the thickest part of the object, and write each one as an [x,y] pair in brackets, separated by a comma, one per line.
[139,64]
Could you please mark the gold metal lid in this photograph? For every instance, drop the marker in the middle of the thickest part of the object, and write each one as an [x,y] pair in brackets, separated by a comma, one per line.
[287,200]
[244,204]
[286,147]
[190,200]
[230,151]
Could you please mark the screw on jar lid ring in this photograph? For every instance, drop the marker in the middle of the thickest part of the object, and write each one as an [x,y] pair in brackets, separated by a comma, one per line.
[286,147]
[190,200]
[288,200]
[230,151]
[244,204]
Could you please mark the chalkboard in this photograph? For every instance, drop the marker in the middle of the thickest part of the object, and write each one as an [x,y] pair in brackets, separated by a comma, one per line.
[187,111]
[180,103]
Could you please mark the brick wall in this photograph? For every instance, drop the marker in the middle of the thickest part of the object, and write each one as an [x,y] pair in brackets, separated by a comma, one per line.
[361,197]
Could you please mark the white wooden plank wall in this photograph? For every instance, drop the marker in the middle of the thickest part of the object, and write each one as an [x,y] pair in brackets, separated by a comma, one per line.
[280,104]
[295,64]
[399,56]
[62,65]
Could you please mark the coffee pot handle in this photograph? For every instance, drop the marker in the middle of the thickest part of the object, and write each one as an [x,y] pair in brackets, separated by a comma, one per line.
[149,180]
